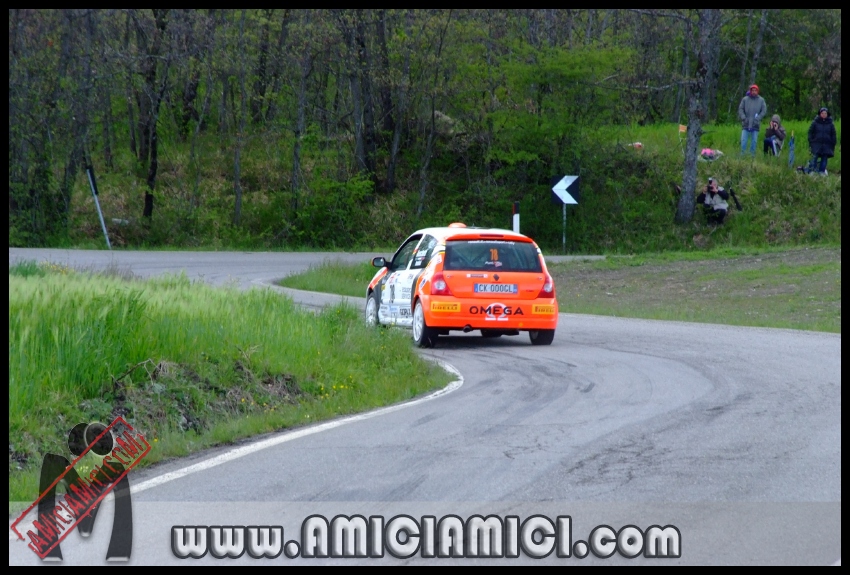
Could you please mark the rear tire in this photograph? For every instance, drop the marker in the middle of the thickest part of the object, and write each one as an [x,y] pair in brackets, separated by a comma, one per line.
[541,336]
[423,336]
[372,310]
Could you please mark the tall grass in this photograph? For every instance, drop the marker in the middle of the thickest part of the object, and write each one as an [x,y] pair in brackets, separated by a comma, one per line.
[82,344]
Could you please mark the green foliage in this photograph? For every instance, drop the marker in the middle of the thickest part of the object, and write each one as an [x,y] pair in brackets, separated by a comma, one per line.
[516,97]
[332,213]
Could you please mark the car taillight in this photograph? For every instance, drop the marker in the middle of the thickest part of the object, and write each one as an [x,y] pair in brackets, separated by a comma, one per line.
[548,289]
[439,285]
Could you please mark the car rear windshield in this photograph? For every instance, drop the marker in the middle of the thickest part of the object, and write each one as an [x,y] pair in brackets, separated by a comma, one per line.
[491,255]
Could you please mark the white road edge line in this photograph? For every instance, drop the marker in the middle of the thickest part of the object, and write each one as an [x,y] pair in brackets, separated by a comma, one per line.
[293,435]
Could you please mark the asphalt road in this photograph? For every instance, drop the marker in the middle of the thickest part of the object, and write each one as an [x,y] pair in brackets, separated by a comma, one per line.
[732,435]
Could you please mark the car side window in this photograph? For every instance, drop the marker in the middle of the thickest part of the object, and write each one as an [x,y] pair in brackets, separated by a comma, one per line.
[425,252]
[403,255]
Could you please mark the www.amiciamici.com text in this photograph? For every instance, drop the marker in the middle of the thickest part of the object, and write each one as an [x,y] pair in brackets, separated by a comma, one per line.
[404,536]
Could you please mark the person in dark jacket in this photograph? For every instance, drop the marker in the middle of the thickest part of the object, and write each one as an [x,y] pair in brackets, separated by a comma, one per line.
[822,139]
[774,136]
[750,111]
[714,202]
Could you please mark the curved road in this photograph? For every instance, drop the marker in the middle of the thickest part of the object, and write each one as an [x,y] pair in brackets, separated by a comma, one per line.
[731,434]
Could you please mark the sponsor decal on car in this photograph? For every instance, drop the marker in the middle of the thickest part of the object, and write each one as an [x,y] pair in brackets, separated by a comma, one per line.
[496,311]
[543,309]
[477,276]
[405,293]
[445,306]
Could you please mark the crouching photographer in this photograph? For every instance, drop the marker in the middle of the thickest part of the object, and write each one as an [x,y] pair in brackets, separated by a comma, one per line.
[714,202]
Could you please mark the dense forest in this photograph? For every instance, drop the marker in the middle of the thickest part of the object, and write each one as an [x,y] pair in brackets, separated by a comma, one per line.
[338,127]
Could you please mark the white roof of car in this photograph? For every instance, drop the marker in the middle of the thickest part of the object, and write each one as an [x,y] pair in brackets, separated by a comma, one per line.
[461,231]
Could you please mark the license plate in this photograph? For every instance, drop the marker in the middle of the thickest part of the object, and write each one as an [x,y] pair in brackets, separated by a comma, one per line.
[496,288]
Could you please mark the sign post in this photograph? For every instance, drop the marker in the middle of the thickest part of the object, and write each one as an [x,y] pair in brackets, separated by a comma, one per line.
[516,217]
[90,172]
[565,191]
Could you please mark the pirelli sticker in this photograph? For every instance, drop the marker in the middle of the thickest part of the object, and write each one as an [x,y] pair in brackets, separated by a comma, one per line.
[550,309]
[445,306]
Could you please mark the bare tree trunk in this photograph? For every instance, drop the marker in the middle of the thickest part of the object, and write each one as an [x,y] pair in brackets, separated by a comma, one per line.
[271,109]
[401,109]
[130,114]
[426,162]
[364,61]
[305,66]
[604,25]
[686,68]
[152,100]
[744,59]
[429,146]
[708,46]
[549,17]
[533,27]
[240,134]
[757,48]
[354,81]
[387,125]
[80,118]
[261,73]
[222,105]
[106,99]
[193,156]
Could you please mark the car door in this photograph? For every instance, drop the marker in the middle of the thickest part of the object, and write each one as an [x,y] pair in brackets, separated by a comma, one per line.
[406,282]
[393,284]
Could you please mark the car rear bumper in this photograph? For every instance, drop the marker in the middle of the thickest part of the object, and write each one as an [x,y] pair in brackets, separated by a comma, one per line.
[479,313]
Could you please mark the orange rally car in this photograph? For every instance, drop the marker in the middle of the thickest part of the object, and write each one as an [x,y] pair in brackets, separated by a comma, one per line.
[464,278]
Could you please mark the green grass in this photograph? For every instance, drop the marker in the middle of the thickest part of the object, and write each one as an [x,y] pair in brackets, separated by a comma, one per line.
[796,288]
[189,365]
[334,277]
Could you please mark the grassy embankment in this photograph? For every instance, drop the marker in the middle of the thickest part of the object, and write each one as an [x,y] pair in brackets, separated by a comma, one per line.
[626,206]
[799,288]
[189,365]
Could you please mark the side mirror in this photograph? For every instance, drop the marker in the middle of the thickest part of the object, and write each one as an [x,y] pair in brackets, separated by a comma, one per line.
[379,262]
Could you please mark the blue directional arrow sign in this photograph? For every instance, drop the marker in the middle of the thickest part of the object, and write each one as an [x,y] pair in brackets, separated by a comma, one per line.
[566,190]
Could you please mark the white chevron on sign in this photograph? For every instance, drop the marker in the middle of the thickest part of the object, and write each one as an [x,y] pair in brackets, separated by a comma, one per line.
[560,189]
